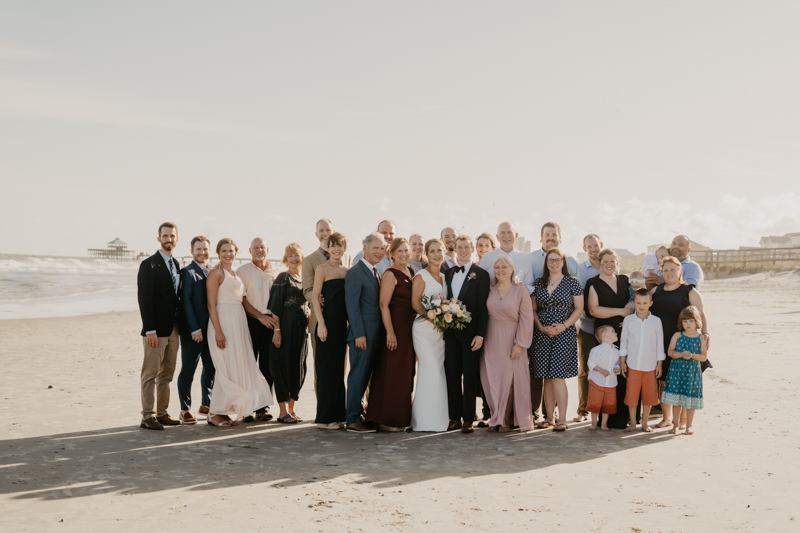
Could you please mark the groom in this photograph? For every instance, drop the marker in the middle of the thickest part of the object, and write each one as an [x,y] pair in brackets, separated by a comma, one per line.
[361,294]
[462,347]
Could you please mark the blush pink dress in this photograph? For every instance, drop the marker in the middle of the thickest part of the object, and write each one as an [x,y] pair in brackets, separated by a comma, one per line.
[510,323]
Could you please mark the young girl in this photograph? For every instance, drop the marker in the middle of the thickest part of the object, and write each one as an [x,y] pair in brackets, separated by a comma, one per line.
[684,386]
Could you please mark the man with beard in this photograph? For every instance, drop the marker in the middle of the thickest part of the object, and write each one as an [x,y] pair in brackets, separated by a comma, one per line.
[258,276]
[158,283]
[550,238]
[692,273]
[586,339]
[448,236]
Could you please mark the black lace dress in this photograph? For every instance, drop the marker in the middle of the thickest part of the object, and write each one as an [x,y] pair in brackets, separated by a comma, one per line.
[287,364]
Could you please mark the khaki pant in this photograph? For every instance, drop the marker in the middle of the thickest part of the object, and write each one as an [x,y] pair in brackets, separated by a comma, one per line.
[586,342]
[157,371]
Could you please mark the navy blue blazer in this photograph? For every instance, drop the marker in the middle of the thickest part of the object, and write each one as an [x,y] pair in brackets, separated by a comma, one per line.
[362,298]
[158,303]
[194,300]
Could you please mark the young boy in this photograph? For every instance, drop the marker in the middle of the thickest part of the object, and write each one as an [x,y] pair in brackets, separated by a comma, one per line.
[642,354]
[603,369]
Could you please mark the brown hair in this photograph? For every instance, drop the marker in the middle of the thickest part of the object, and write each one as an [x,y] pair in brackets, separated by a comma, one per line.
[464,238]
[690,313]
[290,249]
[642,292]
[674,261]
[546,271]
[432,242]
[397,243]
[607,251]
[551,225]
[167,225]
[227,240]
[198,239]
[490,238]
[598,333]
[337,239]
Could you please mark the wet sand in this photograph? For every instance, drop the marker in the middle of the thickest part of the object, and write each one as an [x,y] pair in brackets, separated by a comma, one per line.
[72,457]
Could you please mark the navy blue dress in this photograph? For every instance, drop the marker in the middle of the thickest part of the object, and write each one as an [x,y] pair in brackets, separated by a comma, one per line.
[555,357]
[330,355]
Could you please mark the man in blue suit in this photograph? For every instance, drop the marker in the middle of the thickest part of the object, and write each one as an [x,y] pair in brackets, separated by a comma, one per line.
[361,292]
[194,342]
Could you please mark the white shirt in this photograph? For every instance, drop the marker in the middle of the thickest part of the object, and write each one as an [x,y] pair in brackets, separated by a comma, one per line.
[372,268]
[522,265]
[458,280]
[651,263]
[257,284]
[642,342]
[382,265]
[606,356]
[450,262]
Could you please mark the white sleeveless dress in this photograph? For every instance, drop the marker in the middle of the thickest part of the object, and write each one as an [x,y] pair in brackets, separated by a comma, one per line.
[239,386]
[429,410]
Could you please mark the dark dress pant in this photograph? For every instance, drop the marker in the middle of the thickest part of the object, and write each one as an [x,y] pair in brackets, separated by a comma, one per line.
[462,372]
[261,337]
[191,353]
[358,379]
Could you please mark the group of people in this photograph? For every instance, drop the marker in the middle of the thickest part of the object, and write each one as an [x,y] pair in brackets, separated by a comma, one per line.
[380,363]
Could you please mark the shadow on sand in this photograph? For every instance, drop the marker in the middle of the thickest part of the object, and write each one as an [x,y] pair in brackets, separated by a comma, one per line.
[130,460]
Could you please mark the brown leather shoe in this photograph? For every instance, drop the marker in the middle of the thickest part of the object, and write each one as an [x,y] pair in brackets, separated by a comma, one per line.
[466,427]
[167,421]
[150,423]
[187,418]
[453,425]
[359,427]
[203,410]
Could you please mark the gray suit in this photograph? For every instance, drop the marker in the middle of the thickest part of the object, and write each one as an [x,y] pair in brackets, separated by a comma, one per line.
[362,297]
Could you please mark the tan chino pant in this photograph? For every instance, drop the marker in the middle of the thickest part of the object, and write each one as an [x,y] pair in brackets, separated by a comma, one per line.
[157,371]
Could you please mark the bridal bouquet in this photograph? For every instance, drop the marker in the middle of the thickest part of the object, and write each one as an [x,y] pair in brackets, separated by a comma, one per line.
[444,313]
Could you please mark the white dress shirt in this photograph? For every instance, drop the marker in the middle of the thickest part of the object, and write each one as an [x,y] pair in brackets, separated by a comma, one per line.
[257,284]
[372,268]
[522,265]
[642,342]
[606,356]
[458,279]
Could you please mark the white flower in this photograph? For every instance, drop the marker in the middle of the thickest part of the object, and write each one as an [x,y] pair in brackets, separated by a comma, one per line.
[437,302]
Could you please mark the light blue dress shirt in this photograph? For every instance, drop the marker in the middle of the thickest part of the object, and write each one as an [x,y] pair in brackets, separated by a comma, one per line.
[522,265]
[537,264]
[586,271]
[692,273]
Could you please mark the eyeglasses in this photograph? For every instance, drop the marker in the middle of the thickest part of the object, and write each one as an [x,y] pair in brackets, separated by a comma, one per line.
[556,261]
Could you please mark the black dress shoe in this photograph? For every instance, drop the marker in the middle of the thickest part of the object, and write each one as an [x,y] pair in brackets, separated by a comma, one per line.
[151,423]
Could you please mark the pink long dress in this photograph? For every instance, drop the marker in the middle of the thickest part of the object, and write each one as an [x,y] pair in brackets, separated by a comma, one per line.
[510,323]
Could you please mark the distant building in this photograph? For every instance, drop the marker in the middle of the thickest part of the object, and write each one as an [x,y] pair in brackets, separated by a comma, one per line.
[116,249]
[625,256]
[523,245]
[789,240]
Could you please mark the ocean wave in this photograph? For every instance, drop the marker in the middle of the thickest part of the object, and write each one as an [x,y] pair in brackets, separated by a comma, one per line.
[72,295]
[67,265]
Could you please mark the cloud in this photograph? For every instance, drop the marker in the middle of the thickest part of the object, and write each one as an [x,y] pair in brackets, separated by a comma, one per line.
[30,99]
[16,53]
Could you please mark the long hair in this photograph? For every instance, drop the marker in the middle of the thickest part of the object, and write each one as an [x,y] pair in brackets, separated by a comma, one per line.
[505,258]
[545,279]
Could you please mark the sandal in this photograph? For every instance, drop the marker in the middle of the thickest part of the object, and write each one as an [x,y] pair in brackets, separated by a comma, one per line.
[544,425]
[560,427]
[287,419]
[504,429]
[297,417]
[223,424]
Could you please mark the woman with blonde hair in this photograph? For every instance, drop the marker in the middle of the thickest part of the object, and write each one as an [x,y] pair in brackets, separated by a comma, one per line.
[484,243]
[287,359]
[418,260]
[239,386]
[504,365]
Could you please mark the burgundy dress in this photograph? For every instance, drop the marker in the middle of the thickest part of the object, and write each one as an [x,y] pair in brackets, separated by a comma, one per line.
[393,378]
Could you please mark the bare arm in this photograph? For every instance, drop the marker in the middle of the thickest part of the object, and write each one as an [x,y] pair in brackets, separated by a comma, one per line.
[604,312]
[417,289]
[319,279]
[671,351]
[215,279]
[388,283]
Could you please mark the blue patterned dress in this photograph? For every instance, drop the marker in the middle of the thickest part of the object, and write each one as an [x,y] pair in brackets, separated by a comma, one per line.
[555,357]
[684,384]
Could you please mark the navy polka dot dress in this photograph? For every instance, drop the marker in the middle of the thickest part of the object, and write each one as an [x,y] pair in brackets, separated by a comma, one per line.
[556,357]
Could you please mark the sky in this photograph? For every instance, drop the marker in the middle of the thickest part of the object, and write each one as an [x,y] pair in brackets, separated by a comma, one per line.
[632,120]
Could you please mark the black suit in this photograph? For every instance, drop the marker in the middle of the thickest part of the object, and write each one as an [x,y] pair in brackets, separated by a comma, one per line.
[158,302]
[459,359]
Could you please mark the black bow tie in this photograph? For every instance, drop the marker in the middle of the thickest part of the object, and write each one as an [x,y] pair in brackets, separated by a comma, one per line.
[459,269]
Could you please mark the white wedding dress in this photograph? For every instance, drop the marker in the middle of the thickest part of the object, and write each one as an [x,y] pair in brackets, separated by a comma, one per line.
[429,410]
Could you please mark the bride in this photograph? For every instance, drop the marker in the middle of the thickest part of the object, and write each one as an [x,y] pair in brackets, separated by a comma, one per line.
[239,387]
[429,410]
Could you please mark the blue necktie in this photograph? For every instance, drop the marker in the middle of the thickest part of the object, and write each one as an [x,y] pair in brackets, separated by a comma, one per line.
[172,274]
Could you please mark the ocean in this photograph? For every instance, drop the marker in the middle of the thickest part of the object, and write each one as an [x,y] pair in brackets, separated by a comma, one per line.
[37,286]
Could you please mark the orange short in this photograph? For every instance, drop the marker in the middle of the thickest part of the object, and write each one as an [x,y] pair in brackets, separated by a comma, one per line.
[601,399]
[644,383]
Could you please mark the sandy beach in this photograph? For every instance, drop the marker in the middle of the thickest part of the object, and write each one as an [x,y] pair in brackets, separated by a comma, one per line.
[72,456]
